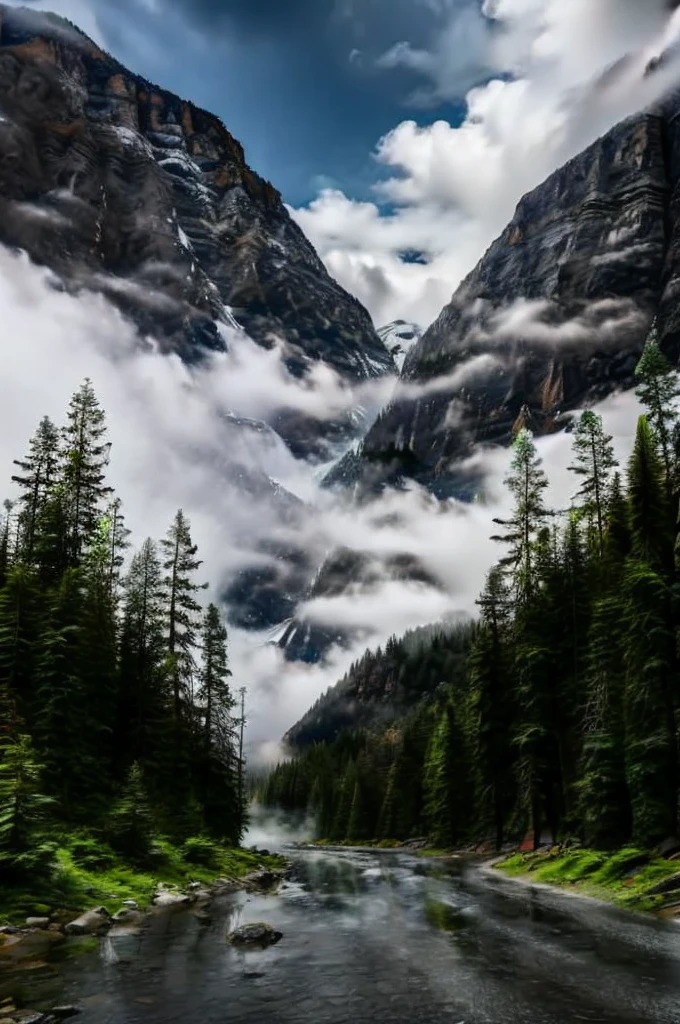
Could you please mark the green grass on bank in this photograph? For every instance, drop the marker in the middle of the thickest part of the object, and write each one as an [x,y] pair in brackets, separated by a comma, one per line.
[88,873]
[624,877]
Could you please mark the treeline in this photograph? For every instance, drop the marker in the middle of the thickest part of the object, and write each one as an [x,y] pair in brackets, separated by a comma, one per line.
[384,684]
[566,718]
[116,714]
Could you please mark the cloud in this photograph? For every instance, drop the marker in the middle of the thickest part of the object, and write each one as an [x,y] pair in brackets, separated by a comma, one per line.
[178,441]
[450,189]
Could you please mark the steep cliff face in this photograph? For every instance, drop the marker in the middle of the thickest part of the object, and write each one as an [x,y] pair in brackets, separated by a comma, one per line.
[121,187]
[552,318]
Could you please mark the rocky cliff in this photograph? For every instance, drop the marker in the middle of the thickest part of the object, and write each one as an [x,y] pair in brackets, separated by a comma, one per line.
[553,317]
[122,187]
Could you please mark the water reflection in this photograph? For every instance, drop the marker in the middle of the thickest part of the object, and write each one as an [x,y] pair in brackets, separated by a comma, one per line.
[379,936]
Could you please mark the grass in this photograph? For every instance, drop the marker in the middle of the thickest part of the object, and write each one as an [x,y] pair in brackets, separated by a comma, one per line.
[624,877]
[78,883]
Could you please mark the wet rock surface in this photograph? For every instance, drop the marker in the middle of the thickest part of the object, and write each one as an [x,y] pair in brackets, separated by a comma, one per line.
[258,934]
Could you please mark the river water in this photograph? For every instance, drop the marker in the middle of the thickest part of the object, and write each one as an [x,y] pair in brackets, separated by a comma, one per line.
[382,938]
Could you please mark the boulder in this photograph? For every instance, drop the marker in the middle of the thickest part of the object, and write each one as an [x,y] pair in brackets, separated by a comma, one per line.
[9,929]
[92,922]
[170,899]
[262,879]
[38,922]
[258,934]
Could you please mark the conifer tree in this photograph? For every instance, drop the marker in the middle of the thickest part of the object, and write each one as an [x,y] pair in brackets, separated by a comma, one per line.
[593,461]
[219,759]
[446,790]
[145,707]
[182,608]
[658,390]
[526,483]
[20,608]
[651,533]
[39,475]
[490,677]
[23,807]
[85,454]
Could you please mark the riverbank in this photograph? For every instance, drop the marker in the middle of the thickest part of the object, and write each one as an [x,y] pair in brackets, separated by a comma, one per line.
[86,873]
[631,878]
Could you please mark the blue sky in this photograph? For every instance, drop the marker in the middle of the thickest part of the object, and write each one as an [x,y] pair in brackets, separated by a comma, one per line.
[296,81]
[393,126]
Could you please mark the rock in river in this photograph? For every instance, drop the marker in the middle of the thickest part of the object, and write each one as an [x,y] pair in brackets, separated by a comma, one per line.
[91,922]
[258,934]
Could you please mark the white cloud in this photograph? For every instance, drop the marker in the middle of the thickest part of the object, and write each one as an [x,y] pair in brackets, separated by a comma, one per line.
[454,188]
[174,444]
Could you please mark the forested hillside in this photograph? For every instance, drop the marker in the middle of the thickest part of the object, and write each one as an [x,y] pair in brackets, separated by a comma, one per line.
[566,716]
[116,717]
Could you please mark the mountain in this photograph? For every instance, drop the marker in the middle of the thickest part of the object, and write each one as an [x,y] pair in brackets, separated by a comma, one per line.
[398,338]
[119,186]
[552,318]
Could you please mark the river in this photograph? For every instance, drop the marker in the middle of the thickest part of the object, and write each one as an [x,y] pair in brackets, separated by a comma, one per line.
[382,938]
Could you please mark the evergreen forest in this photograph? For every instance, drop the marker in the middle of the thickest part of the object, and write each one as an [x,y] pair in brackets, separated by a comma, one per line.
[117,722]
[557,712]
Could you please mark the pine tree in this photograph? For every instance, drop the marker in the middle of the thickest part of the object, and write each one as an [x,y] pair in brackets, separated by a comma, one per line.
[594,462]
[526,483]
[144,700]
[649,509]
[446,790]
[130,826]
[118,544]
[38,477]
[219,761]
[23,808]
[182,608]
[490,677]
[659,391]
[85,454]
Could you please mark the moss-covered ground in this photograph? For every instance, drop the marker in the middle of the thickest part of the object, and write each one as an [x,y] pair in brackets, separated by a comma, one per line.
[87,874]
[625,877]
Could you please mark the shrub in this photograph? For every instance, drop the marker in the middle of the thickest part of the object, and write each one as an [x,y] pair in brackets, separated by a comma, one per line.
[201,851]
[91,855]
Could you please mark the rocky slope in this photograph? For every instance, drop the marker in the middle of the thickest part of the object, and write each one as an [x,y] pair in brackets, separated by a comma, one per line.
[552,318]
[399,337]
[122,187]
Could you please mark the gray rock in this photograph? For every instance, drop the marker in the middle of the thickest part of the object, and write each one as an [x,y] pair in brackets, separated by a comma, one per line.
[126,915]
[9,929]
[64,1012]
[92,922]
[258,934]
[171,899]
[38,922]
[132,904]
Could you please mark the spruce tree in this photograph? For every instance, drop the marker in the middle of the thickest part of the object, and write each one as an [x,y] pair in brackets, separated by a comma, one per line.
[658,391]
[182,608]
[85,455]
[594,461]
[526,483]
[23,809]
[39,475]
[219,772]
[145,706]
[20,610]
[490,677]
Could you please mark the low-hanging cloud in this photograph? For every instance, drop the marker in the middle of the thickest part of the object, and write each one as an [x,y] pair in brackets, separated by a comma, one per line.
[177,443]
[560,74]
